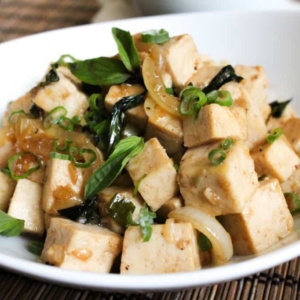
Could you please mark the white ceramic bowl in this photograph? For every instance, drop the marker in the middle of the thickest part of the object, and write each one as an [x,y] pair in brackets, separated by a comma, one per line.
[270,39]
[155,7]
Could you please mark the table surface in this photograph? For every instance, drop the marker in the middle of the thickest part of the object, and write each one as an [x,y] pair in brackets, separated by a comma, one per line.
[23,17]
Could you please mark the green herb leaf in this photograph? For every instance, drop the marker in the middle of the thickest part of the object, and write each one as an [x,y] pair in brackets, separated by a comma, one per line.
[146,220]
[225,75]
[118,115]
[51,76]
[274,135]
[10,226]
[127,49]
[112,167]
[35,247]
[100,71]
[119,207]
[204,242]
[87,212]
[136,187]
[277,108]
[155,36]
[216,156]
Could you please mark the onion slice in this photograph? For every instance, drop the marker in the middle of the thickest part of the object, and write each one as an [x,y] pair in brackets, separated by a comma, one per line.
[222,249]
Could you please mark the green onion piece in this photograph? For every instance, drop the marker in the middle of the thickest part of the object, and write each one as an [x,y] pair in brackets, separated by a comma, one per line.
[176,167]
[63,148]
[75,151]
[54,116]
[204,242]
[5,171]
[66,123]
[119,207]
[293,202]
[192,99]
[76,120]
[130,221]
[35,247]
[274,135]
[13,117]
[216,156]
[212,96]
[59,156]
[136,187]
[227,143]
[224,98]
[146,220]
[34,165]
[93,102]
[102,127]
[155,36]
[169,91]
[10,226]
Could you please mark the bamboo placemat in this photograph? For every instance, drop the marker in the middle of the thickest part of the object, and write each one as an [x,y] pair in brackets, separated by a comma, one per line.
[23,17]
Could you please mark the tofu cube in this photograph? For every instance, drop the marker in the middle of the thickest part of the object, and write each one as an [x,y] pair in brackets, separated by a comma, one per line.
[264,220]
[26,204]
[136,115]
[7,187]
[63,186]
[81,247]
[291,130]
[217,189]
[277,160]
[169,250]
[166,128]
[159,185]
[256,84]
[284,120]
[181,70]
[203,76]
[62,93]
[213,123]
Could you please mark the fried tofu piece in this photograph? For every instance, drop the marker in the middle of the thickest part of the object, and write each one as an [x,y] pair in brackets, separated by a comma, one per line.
[181,70]
[276,160]
[213,123]
[157,170]
[82,247]
[217,189]
[62,93]
[7,147]
[136,115]
[166,128]
[285,120]
[171,248]
[26,204]
[291,130]
[256,84]
[63,186]
[7,187]
[264,220]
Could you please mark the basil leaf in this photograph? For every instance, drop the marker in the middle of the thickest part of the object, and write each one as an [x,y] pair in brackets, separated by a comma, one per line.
[112,167]
[10,226]
[118,115]
[119,207]
[86,212]
[100,71]
[277,108]
[127,49]
[51,76]
[225,75]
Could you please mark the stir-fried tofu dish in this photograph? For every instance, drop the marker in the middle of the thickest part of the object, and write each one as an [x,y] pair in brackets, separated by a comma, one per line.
[156,160]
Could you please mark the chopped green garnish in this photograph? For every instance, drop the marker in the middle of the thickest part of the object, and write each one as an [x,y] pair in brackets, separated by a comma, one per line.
[274,135]
[216,156]
[204,242]
[16,114]
[74,153]
[136,187]
[145,221]
[51,76]
[169,91]
[35,247]
[58,155]
[54,116]
[10,226]
[227,143]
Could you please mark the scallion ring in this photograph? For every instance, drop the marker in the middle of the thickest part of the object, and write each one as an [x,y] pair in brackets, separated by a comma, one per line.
[59,155]
[212,96]
[27,159]
[66,146]
[93,102]
[216,156]
[73,151]
[15,115]
[66,123]
[227,143]
[224,98]
[274,135]
[155,36]
[54,116]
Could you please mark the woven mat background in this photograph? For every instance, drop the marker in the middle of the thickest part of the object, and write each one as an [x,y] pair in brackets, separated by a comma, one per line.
[23,17]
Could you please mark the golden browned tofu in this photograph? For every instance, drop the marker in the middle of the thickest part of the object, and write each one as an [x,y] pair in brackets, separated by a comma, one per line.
[217,189]
[7,147]
[291,130]
[264,220]
[7,187]
[172,248]
[156,173]
[82,247]
[26,204]
[286,120]
[277,160]
[213,123]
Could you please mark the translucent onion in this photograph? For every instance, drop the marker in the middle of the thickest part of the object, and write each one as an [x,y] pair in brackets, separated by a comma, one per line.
[222,249]
[156,87]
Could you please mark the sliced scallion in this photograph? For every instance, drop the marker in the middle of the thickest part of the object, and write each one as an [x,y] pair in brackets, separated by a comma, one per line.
[13,117]
[54,116]
[65,147]
[155,36]
[136,187]
[224,98]
[227,143]
[73,152]
[146,219]
[35,247]
[274,135]
[60,155]
[216,156]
